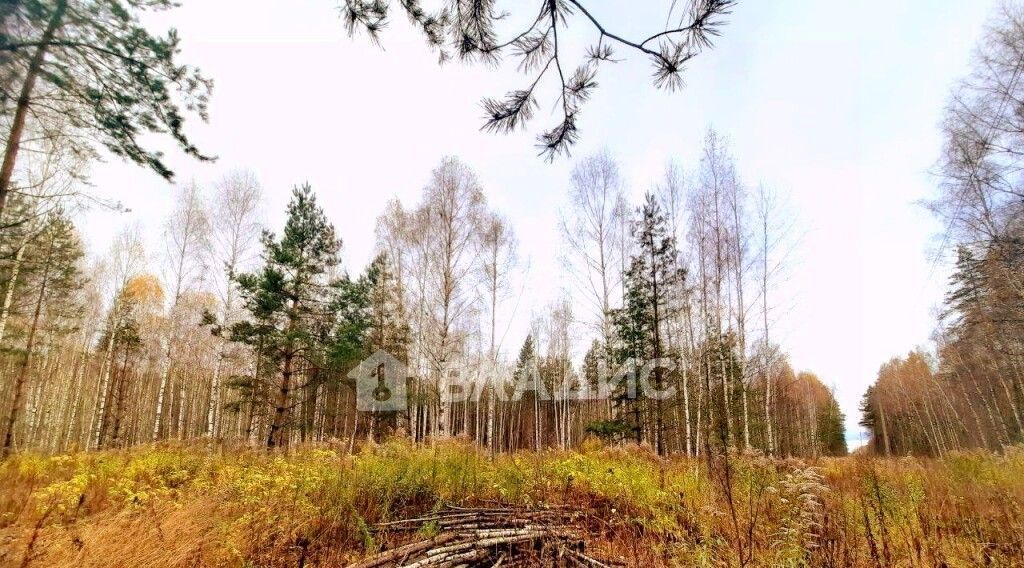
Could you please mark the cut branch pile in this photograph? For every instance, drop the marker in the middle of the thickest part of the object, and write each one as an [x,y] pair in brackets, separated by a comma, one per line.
[474,537]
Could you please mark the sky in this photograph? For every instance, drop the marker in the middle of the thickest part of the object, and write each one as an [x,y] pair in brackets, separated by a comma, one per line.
[833,105]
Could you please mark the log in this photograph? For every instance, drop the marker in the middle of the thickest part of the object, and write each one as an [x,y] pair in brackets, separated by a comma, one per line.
[397,554]
[497,536]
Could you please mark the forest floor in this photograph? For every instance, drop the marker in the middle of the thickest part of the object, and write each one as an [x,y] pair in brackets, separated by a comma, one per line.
[451,504]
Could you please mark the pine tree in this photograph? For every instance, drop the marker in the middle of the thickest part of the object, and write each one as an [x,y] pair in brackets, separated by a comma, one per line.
[94,65]
[832,428]
[287,297]
[470,32]
[58,252]
[653,273]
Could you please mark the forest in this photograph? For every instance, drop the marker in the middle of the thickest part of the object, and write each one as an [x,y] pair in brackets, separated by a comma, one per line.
[967,392]
[107,354]
[244,396]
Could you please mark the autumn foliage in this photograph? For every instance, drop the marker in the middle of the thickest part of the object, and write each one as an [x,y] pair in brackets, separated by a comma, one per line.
[198,506]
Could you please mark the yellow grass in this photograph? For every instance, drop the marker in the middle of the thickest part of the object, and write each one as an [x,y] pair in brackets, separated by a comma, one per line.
[196,506]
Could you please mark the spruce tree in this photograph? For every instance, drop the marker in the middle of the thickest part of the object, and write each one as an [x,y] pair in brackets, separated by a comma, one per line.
[526,361]
[129,339]
[369,316]
[869,419]
[389,328]
[968,289]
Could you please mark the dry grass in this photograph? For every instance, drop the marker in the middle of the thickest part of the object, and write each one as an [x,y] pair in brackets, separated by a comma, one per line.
[193,506]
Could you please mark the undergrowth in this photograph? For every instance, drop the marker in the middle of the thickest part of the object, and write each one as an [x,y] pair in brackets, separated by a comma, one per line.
[194,506]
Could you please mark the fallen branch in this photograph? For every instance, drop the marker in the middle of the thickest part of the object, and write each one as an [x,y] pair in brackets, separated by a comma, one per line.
[489,536]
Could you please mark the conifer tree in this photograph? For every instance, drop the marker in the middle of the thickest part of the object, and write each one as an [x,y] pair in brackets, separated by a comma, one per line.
[527,356]
[388,328]
[471,33]
[720,357]
[831,429]
[128,339]
[58,253]
[285,298]
[20,226]
[527,373]
[869,419]
[368,317]
[652,275]
[93,65]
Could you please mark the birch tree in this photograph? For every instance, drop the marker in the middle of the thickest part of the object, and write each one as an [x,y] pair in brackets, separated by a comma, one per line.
[590,230]
[60,252]
[498,256]
[235,232]
[127,260]
[187,236]
[454,204]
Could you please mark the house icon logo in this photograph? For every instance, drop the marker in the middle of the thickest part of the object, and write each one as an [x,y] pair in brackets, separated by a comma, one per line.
[380,383]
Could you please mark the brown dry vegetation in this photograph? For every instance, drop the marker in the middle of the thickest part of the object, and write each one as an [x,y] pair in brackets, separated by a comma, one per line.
[193,506]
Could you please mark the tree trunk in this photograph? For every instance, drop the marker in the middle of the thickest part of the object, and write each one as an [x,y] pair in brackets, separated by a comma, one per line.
[885,431]
[165,371]
[281,405]
[11,283]
[211,414]
[19,382]
[659,443]
[119,410]
[21,109]
[96,422]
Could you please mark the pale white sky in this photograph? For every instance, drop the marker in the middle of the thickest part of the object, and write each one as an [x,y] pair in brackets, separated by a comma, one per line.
[835,105]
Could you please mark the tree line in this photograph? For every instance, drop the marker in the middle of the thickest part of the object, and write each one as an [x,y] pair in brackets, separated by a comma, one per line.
[245,335]
[969,392]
